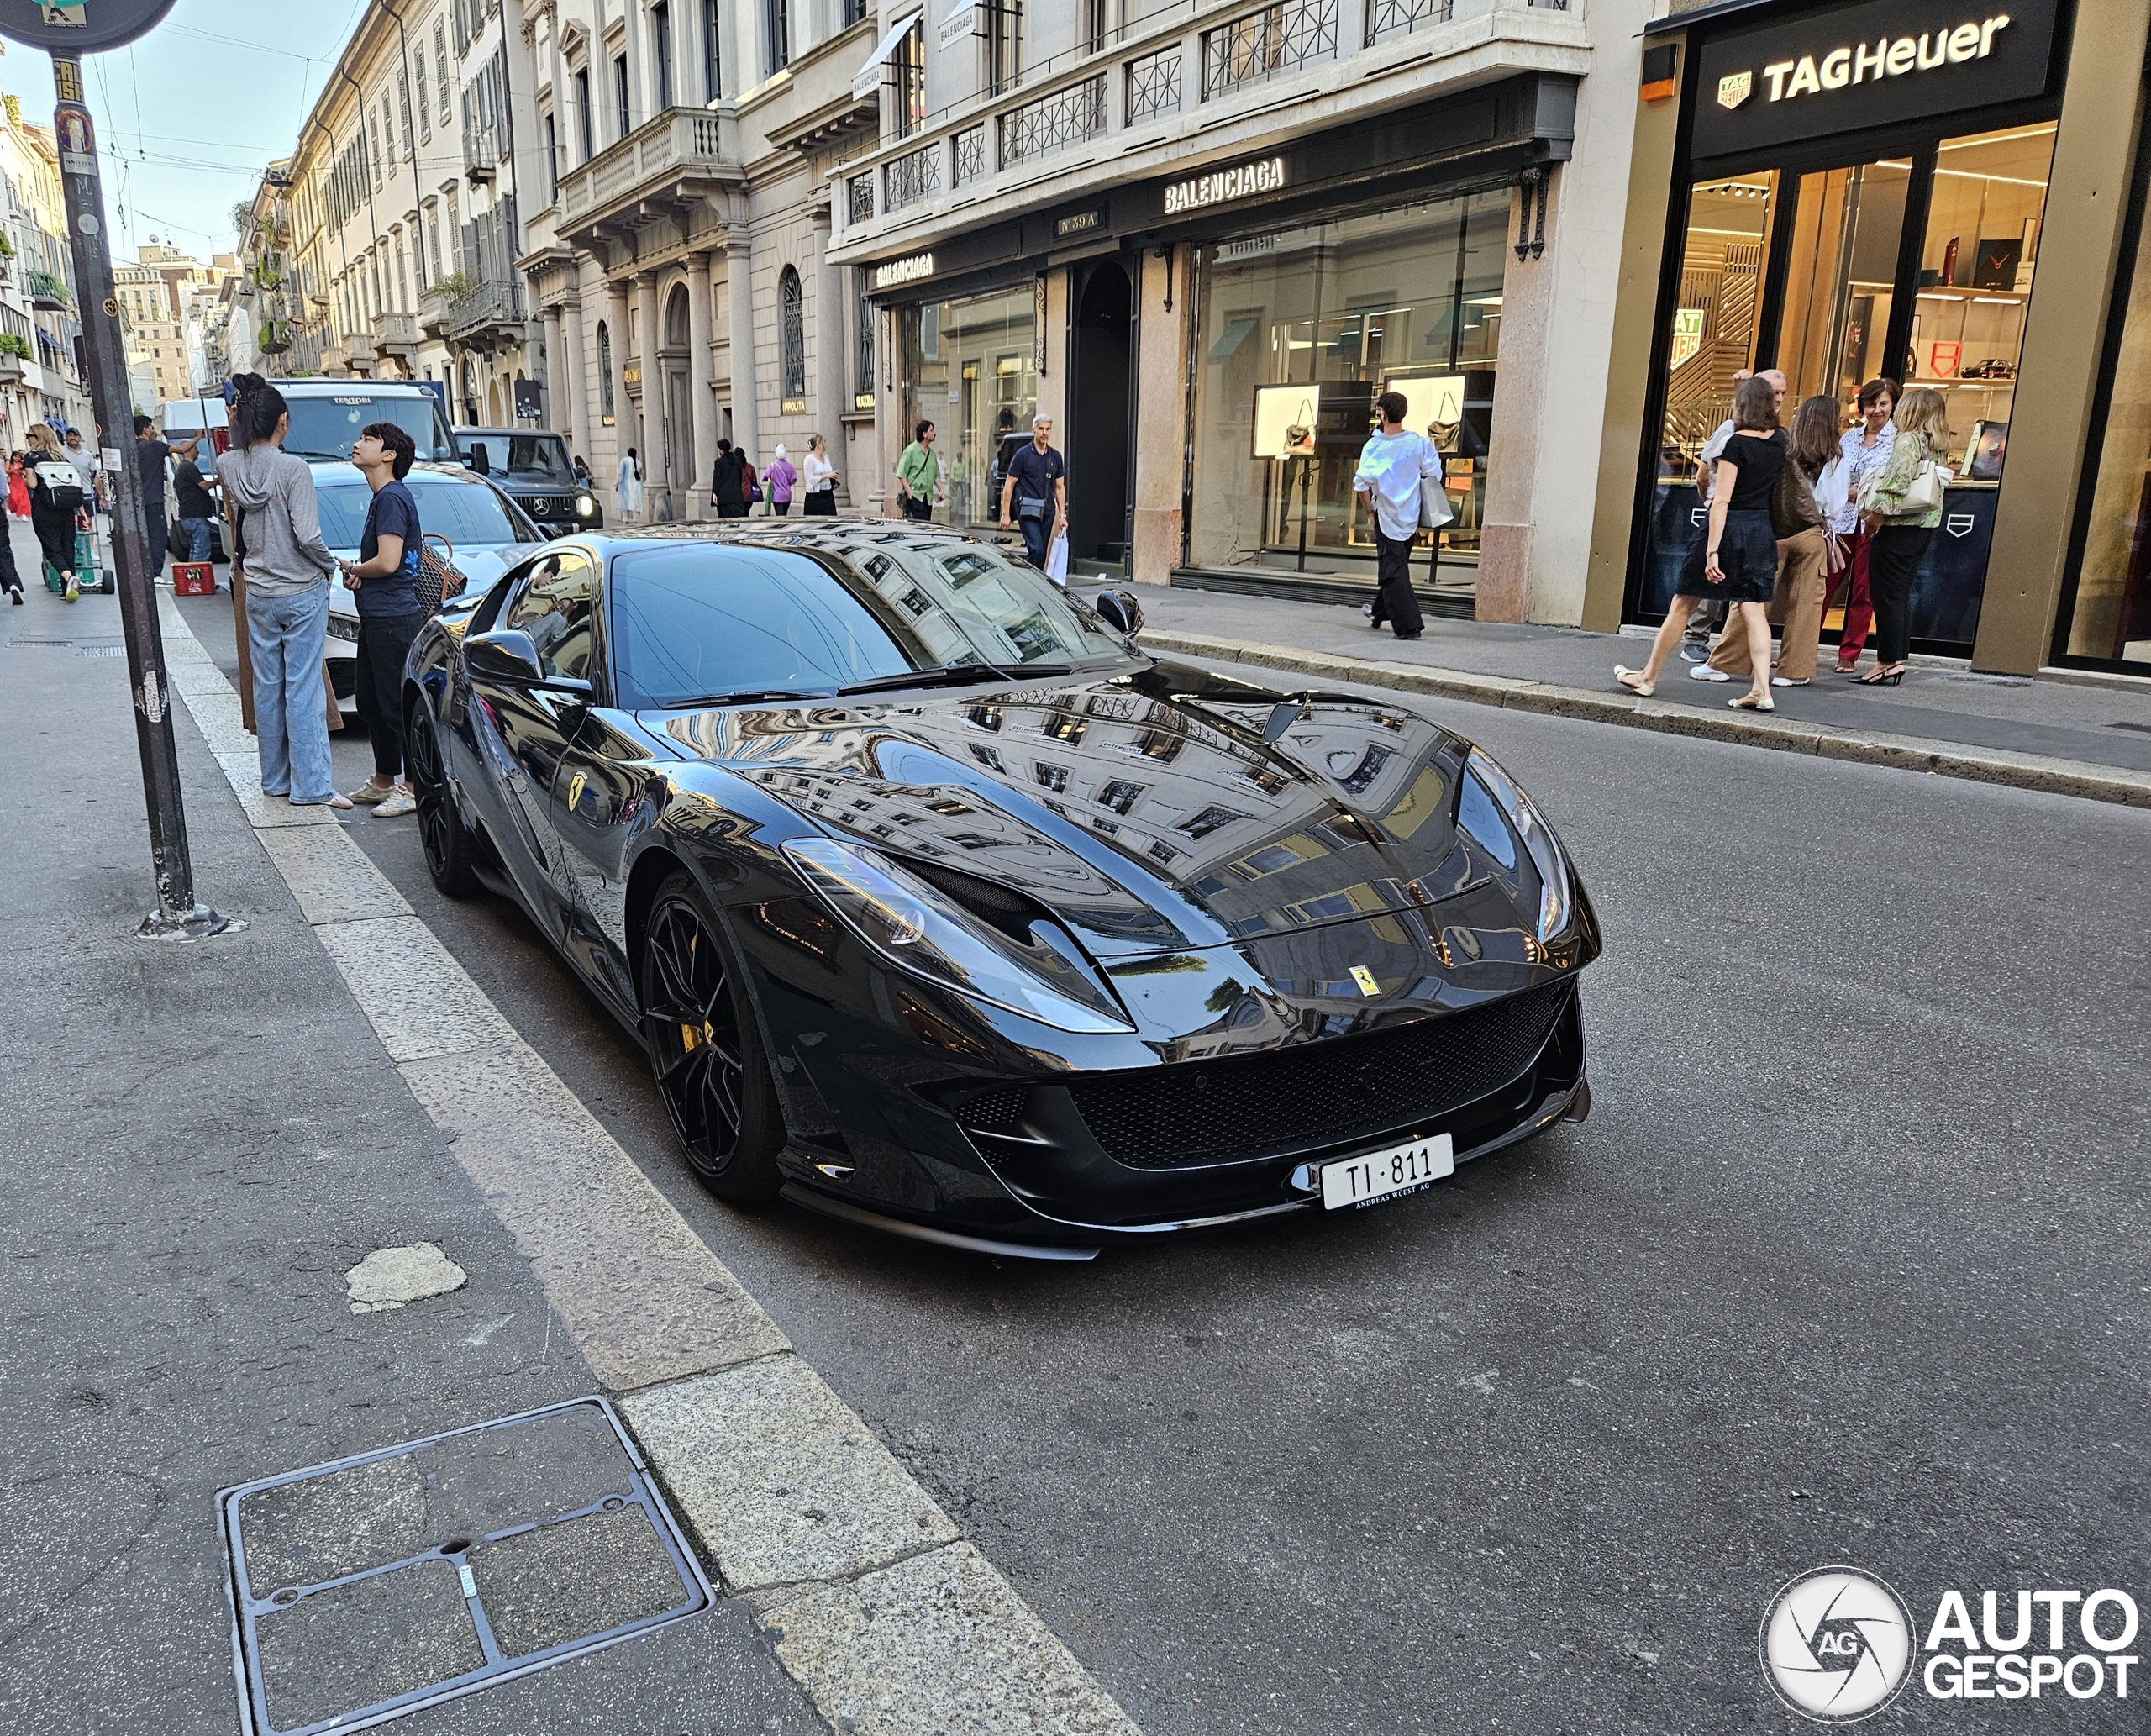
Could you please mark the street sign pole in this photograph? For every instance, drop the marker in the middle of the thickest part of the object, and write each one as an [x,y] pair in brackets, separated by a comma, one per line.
[178,914]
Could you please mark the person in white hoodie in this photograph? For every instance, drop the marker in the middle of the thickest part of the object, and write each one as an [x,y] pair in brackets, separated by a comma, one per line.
[288,568]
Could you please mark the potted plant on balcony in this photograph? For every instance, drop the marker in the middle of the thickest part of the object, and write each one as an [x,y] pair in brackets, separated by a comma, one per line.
[14,354]
[48,294]
[453,290]
[7,257]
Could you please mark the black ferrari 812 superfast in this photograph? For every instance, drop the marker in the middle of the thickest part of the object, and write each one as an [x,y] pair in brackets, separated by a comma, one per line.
[941,905]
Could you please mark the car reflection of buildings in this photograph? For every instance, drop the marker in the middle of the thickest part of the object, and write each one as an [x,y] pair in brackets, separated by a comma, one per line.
[1270,855]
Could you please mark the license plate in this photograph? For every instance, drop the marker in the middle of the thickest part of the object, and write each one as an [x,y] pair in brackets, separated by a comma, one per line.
[1382,1175]
[338,628]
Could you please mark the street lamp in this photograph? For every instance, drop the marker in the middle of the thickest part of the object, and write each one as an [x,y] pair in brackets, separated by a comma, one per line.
[67,31]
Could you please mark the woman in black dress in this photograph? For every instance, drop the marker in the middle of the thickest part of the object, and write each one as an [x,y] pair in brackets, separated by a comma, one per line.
[1740,549]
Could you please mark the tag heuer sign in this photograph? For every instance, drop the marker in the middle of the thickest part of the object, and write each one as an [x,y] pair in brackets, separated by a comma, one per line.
[1876,63]
[80,27]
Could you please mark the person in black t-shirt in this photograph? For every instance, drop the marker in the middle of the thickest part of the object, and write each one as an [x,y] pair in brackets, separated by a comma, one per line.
[1740,549]
[196,509]
[1035,493]
[384,580]
[152,454]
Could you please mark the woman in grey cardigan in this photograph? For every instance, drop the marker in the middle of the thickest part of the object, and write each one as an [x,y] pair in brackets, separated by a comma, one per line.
[288,568]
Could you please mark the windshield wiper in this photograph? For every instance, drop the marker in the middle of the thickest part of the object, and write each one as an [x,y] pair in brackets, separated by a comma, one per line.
[751,696]
[953,675]
[325,457]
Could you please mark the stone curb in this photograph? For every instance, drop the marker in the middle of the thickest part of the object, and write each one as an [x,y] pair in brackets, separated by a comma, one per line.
[889,1622]
[1905,753]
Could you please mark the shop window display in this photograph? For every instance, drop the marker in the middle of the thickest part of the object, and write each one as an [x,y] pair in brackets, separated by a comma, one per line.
[1299,331]
[969,367]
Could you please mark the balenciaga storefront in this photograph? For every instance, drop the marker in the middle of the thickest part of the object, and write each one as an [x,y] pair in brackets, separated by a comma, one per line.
[1223,336]
[1931,192]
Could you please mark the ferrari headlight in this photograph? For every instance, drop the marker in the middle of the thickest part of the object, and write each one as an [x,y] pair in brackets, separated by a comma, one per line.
[585,506]
[920,929]
[1555,907]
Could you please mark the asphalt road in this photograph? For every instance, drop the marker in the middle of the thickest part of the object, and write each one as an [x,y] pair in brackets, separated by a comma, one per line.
[1847,1266]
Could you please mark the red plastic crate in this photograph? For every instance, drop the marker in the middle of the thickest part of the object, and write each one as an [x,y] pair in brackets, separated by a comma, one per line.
[193,578]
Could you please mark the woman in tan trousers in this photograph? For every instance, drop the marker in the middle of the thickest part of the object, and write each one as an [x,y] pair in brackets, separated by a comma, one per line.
[1803,561]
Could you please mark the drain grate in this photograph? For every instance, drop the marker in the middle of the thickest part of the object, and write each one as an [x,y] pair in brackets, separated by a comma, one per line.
[373,1587]
[101,650]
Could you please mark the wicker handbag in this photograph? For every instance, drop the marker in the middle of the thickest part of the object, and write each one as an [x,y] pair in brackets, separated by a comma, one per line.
[438,575]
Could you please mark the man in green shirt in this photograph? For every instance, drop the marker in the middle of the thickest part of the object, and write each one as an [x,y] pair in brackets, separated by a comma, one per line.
[918,475]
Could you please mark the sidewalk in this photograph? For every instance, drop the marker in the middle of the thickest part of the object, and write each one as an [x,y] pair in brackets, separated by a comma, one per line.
[201,1141]
[2085,738]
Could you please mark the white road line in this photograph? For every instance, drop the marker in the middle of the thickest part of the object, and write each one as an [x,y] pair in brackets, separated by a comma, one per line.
[891,1623]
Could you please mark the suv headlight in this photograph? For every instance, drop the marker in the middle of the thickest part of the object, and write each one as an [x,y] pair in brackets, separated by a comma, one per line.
[920,929]
[585,506]
[1555,907]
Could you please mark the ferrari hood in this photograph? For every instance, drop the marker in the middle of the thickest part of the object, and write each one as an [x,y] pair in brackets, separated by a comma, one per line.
[1153,812]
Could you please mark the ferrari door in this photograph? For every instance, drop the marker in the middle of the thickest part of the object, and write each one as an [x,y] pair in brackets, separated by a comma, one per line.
[554,602]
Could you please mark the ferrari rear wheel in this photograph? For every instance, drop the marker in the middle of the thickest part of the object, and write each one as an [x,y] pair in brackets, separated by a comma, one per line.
[447,843]
[706,1050]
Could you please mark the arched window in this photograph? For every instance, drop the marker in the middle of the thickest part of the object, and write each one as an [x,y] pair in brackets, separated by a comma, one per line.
[791,309]
[605,371]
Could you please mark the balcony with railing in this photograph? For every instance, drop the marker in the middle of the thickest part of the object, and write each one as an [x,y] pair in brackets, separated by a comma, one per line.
[675,154]
[395,333]
[488,309]
[1185,72]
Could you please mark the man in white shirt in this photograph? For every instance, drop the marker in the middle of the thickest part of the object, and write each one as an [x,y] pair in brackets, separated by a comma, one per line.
[1394,468]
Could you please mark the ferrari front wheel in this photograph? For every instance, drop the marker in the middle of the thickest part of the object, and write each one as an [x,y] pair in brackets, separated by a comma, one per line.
[705,1048]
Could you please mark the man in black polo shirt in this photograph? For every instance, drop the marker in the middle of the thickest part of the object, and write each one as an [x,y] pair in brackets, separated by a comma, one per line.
[1035,494]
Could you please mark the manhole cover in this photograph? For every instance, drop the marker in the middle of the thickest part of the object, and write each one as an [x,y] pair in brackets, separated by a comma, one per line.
[379,1583]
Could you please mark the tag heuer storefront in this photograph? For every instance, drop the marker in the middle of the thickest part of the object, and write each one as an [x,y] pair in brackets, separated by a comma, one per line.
[1863,193]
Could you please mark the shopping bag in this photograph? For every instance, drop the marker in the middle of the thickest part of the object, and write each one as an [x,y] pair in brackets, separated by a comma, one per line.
[1056,560]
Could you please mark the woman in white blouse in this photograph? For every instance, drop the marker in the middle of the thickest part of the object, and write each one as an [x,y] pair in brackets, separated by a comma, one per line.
[629,487]
[818,480]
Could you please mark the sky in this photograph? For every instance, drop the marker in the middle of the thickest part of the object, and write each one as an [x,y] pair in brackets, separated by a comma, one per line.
[189,116]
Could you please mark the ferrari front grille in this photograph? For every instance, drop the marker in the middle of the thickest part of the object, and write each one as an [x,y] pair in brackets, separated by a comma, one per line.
[1321,1094]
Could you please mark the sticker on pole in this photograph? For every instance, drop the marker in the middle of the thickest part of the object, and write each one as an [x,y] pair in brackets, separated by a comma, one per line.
[78,143]
[80,26]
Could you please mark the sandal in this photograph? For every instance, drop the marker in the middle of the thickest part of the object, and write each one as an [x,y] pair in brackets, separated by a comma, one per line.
[1750,701]
[1883,676]
[1641,688]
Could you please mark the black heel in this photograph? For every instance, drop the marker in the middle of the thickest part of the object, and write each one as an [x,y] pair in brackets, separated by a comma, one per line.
[1878,679]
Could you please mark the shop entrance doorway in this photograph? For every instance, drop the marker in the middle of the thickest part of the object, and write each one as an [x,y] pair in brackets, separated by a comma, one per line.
[1100,356]
[1911,265]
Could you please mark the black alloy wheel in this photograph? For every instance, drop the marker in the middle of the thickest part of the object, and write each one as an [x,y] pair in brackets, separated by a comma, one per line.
[705,1050]
[447,843]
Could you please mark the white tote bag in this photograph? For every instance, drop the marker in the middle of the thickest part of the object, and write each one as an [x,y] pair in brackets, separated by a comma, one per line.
[1056,560]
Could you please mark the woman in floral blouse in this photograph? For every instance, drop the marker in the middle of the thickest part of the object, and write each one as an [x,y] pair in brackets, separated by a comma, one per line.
[1901,537]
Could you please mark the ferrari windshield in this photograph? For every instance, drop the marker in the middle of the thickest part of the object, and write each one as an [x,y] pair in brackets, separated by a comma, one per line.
[702,622]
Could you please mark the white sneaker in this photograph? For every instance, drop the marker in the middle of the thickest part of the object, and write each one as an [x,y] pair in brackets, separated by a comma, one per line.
[396,803]
[1704,672]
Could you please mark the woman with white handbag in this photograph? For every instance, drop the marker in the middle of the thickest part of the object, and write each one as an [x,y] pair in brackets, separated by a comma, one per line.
[1899,508]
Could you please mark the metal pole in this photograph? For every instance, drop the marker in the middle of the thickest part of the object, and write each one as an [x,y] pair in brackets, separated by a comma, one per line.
[177,915]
